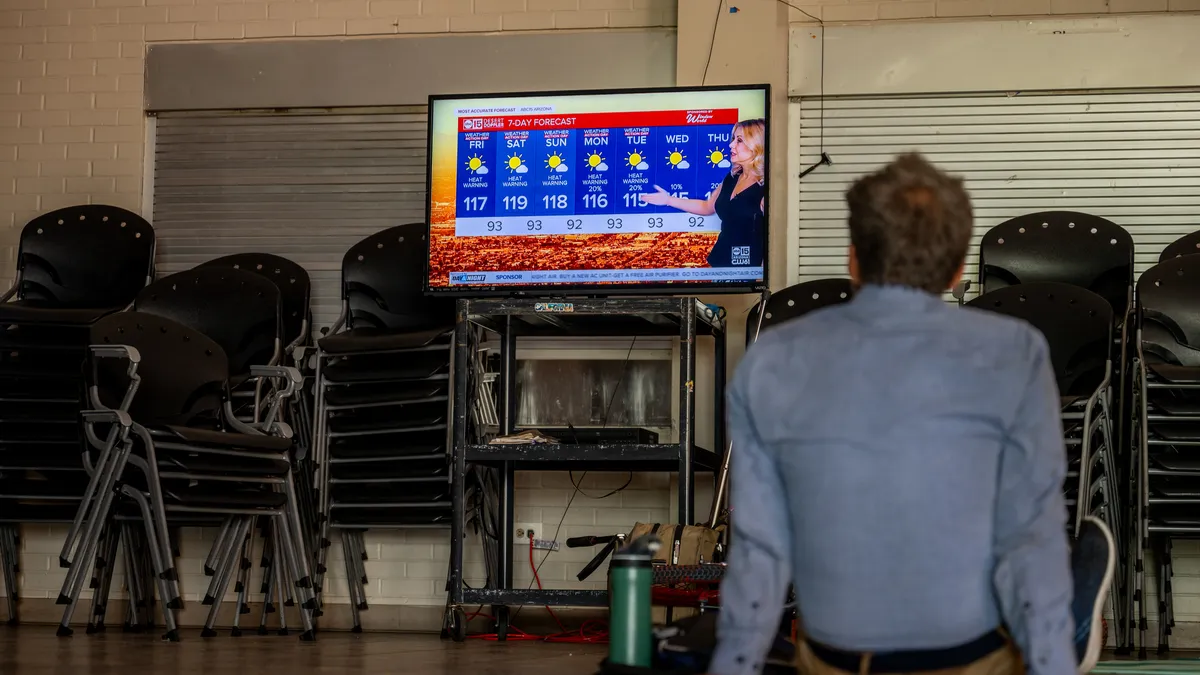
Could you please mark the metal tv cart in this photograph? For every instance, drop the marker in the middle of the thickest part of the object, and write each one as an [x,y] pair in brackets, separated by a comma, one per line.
[685,317]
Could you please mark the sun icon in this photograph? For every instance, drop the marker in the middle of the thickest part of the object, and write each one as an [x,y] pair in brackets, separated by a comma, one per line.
[514,162]
[717,158]
[637,161]
[677,160]
[555,163]
[475,164]
[594,160]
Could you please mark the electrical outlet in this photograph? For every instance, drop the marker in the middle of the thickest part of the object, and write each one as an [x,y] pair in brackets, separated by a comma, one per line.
[529,531]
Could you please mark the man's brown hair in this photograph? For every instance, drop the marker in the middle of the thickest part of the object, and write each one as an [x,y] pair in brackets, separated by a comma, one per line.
[910,225]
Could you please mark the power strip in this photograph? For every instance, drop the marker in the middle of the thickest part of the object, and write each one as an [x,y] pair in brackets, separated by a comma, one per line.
[545,545]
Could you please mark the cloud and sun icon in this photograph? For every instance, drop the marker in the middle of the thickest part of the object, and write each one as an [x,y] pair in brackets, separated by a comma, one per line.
[717,158]
[516,164]
[677,160]
[595,162]
[475,164]
[637,161]
[555,163]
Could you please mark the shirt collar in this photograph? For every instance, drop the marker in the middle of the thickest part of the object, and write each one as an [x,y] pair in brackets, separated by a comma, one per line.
[876,299]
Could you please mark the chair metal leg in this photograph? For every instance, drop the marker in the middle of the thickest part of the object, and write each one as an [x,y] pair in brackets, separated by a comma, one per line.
[104,568]
[210,561]
[96,520]
[352,580]
[225,570]
[1143,521]
[243,581]
[292,514]
[224,554]
[269,592]
[282,582]
[103,478]
[133,589]
[158,506]
[9,559]
[290,558]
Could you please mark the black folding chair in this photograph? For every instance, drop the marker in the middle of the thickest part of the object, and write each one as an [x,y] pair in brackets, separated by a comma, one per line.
[1188,244]
[797,300]
[74,265]
[1167,424]
[382,402]
[160,397]
[1078,327]
[242,310]
[1086,251]
[295,290]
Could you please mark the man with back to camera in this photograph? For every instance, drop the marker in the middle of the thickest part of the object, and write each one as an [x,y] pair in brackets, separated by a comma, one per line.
[901,460]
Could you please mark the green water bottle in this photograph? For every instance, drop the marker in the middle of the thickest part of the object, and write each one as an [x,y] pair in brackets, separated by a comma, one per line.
[629,579]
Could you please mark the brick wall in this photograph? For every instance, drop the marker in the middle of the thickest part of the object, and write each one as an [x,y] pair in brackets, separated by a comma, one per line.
[876,10]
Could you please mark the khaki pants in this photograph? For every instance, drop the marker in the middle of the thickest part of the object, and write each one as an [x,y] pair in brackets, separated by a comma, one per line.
[1006,661]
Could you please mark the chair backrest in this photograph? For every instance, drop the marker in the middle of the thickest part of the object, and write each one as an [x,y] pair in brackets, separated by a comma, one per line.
[291,279]
[88,256]
[1185,245]
[1169,310]
[239,310]
[183,372]
[383,279]
[1062,246]
[797,300]
[1076,322]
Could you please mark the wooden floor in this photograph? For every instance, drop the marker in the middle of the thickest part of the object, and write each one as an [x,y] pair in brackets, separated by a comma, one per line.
[34,650]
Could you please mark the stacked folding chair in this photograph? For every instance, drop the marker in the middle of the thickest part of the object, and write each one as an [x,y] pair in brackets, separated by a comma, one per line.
[167,448]
[295,289]
[1167,423]
[382,402]
[74,266]
[1188,244]
[797,300]
[1088,252]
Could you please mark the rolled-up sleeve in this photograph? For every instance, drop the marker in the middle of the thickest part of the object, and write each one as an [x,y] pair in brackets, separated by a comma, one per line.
[759,561]
[1033,576]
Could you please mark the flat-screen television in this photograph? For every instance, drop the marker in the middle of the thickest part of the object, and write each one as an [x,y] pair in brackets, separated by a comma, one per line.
[599,192]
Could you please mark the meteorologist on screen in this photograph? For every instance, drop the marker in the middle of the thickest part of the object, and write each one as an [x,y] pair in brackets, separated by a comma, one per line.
[739,202]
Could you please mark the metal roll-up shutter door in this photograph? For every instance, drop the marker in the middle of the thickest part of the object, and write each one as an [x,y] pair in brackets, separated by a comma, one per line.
[1131,157]
[303,184]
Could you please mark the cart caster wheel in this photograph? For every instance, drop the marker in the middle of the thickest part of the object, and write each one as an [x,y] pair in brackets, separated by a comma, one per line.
[13,621]
[502,624]
[208,632]
[282,631]
[235,632]
[308,636]
[1142,654]
[262,630]
[171,636]
[458,624]
[356,629]
[64,631]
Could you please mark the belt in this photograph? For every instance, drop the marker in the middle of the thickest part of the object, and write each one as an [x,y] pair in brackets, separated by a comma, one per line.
[911,661]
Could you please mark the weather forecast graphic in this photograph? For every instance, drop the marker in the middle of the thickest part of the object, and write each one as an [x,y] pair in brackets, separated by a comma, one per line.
[584,189]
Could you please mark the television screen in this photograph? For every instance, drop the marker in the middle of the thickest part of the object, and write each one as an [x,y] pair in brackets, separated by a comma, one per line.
[599,192]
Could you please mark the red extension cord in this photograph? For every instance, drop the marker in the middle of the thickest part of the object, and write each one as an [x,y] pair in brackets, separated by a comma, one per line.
[591,632]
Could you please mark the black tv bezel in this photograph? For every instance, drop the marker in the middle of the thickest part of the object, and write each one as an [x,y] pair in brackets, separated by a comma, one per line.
[600,290]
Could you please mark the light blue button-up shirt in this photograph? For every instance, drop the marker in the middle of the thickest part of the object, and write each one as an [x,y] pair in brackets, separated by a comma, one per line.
[901,460]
